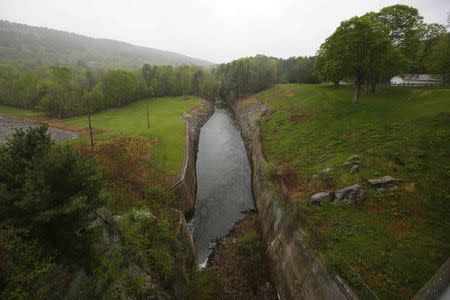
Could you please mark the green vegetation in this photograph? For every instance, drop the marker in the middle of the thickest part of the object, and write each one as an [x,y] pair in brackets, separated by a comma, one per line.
[48,189]
[167,128]
[376,46]
[17,112]
[394,240]
[48,193]
[237,269]
[24,266]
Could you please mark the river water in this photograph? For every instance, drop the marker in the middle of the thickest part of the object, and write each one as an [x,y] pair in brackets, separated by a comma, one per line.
[223,182]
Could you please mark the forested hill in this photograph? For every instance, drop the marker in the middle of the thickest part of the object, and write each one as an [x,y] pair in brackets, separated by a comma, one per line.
[32,46]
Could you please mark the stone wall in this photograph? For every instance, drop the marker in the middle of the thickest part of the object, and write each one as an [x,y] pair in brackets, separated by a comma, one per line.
[297,272]
[186,186]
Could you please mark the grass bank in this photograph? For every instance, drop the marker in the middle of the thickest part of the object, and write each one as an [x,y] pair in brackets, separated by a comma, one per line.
[394,241]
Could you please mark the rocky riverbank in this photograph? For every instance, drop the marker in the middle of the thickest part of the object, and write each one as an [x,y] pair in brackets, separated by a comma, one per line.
[238,259]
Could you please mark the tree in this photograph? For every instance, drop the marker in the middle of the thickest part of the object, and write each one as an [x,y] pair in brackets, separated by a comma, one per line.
[120,87]
[439,58]
[404,24]
[48,189]
[352,48]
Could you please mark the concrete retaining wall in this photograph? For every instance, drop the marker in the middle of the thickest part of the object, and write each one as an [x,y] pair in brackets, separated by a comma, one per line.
[298,274]
[186,186]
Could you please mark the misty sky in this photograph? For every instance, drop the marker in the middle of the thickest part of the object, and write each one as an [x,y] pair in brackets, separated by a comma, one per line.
[218,31]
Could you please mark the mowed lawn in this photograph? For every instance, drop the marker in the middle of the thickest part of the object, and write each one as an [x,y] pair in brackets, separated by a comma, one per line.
[394,241]
[166,127]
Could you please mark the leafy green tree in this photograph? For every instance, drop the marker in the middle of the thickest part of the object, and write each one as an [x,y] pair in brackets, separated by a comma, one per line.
[47,189]
[353,48]
[439,58]
[120,87]
[404,24]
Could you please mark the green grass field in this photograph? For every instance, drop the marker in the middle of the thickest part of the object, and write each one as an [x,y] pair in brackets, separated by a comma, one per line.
[18,112]
[395,240]
[166,127]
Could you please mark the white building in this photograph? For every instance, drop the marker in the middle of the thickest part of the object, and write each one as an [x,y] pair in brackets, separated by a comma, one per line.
[416,80]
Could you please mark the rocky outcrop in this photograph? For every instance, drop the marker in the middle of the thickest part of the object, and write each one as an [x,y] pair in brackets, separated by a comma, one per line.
[297,272]
[185,187]
[385,183]
[350,194]
[321,197]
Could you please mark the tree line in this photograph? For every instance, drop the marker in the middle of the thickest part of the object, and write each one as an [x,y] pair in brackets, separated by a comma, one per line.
[372,48]
[64,92]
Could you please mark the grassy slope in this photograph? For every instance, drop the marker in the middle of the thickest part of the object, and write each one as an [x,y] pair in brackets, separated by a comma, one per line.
[395,240]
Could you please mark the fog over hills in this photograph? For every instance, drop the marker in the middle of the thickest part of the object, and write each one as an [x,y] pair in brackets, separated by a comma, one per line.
[36,45]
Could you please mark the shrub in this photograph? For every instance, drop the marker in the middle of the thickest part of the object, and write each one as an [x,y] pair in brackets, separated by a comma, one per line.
[149,241]
[23,266]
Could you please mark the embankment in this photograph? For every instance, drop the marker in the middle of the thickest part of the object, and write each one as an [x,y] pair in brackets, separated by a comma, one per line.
[297,272]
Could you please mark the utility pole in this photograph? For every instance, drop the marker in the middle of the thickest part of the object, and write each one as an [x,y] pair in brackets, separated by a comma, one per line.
[89,121]
[148,118]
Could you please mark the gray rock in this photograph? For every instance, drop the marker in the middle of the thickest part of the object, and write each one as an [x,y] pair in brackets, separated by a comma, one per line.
[354,169]
[325,173]
[8,127]
[352,160]
[350,194]
[385,183]
[320,198]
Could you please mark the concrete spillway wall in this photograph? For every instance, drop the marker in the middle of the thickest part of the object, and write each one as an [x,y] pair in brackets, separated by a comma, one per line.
[185,187]
[297,272]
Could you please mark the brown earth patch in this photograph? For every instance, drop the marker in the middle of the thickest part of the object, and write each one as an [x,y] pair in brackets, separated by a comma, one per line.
[297,118]
[289,176]
[127,162]
[399,226]
[80,130]
[376,208]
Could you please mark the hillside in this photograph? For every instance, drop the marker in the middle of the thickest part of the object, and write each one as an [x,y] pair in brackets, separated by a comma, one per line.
[395,239]
[36,45]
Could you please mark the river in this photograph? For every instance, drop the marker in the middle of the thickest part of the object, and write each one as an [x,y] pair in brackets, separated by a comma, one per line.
[223,182]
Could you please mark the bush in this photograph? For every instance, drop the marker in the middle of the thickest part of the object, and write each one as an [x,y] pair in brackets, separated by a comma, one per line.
[252,248]
[48,189]
[149,241]
[23,266]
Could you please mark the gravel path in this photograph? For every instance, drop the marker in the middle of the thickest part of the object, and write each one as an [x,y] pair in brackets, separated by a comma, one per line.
[9,125]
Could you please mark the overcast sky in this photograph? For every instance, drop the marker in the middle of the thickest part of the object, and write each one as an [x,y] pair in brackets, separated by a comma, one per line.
[218,31]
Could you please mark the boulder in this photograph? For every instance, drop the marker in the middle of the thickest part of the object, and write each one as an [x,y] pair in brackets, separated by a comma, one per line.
[385,183]
[350,194]
[325,173]
[352,160]
[321,197]
[354,169]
